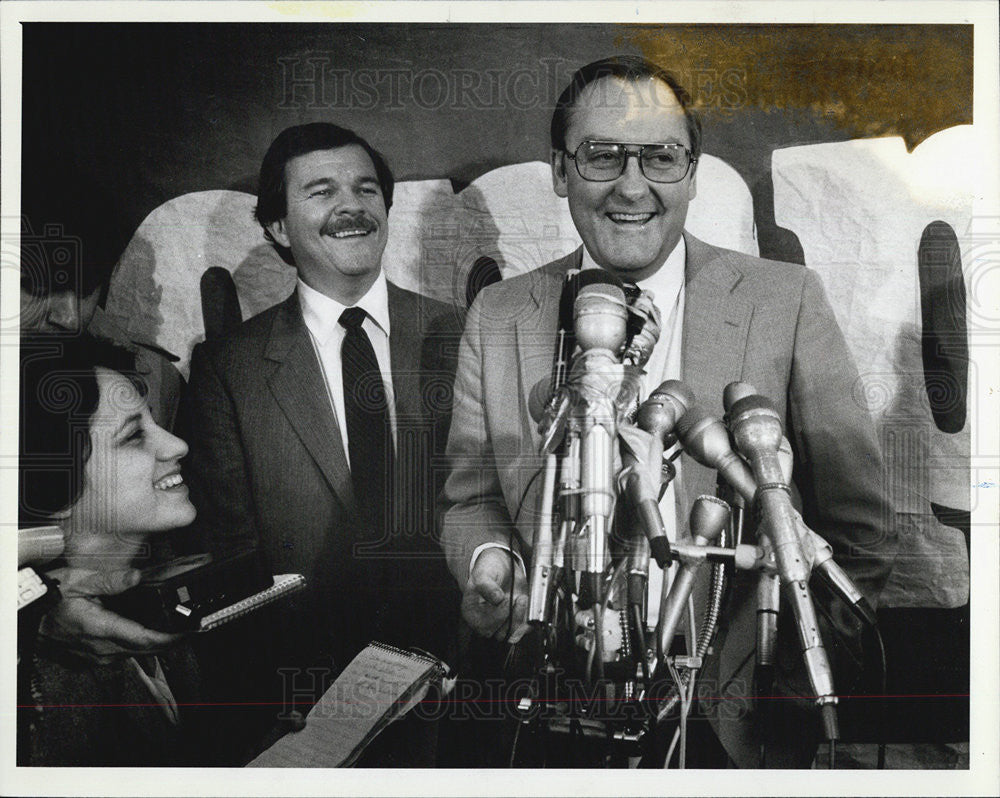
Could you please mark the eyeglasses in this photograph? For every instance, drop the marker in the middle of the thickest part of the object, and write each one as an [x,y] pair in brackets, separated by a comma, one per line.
[604,161]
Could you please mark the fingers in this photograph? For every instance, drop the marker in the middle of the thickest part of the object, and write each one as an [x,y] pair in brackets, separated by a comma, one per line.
[490,592]
[75,582]
[519,619]
[129,636]
[487,606]
[83,626]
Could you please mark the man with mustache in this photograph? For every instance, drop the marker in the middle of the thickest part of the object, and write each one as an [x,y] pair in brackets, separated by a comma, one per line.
[313,427]
[625,148]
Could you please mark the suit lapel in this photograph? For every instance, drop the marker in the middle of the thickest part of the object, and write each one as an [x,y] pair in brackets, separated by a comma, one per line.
[298,387]
[535,330]
[716,323]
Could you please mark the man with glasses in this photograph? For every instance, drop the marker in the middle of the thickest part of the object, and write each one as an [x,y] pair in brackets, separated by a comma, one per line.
[625,149]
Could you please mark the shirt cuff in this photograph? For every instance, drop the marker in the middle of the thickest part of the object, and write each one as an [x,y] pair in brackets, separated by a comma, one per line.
[481,548]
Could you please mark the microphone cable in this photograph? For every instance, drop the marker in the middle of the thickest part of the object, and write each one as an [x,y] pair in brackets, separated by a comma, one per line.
[883,683]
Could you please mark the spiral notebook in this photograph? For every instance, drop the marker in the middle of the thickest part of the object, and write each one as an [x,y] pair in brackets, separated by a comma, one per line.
[284,584]
[380,685]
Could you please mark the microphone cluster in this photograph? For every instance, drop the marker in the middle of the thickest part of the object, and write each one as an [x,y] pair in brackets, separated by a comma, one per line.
[602,446]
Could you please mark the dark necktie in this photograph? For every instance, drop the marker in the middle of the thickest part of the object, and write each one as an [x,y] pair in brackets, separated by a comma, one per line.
[369,434]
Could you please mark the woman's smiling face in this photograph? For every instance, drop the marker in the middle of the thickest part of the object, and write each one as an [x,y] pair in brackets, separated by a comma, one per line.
[132,483]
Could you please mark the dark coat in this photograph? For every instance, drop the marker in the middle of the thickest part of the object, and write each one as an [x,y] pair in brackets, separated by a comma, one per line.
[80,714]
[267,469]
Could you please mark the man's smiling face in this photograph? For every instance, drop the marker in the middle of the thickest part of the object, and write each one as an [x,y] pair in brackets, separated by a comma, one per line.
[336,224]
[629,225]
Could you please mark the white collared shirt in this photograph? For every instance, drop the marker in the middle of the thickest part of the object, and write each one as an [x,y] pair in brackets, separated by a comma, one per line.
[667,287]
[322,317]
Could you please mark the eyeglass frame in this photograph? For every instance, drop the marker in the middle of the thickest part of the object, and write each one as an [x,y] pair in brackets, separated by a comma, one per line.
[629,153]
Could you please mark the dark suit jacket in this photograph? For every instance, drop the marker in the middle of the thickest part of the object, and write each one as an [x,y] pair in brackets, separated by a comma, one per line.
[745,318]
[267,469]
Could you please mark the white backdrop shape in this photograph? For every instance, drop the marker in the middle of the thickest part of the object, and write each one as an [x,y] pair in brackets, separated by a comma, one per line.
[509,214]
[859,209]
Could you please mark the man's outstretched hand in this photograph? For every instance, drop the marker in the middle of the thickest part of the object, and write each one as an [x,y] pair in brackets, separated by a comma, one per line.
[486,600]
[81,624]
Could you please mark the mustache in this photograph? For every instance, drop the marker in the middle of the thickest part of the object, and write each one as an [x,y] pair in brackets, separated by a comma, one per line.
[360,221]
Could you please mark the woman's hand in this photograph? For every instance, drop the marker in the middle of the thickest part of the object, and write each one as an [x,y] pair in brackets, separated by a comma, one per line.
[81,624]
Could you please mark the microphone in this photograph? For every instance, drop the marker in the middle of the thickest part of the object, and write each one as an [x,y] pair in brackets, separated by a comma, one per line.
[574,282]
[550,418]
[598,325]
[542,578]
[638,571]
[642,454]
[708,517]
[657,415]
[600,317]
[822,552]
[39,545]
[665,406]
[706,440]
[756,428]
[735,391]
[549,410]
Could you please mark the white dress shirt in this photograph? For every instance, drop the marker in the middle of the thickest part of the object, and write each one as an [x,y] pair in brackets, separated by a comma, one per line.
[667,288]
[322,317]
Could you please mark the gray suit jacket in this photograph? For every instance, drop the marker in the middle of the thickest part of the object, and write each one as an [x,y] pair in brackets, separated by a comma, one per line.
[745,318]
[267,469]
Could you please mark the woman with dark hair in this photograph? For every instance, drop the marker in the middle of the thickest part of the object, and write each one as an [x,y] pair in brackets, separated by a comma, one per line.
[93,461]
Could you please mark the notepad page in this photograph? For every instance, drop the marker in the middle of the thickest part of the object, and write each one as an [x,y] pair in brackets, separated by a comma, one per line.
[377,687]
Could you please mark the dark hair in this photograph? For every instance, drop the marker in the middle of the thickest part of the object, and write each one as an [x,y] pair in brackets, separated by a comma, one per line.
[59,395]
[627,67]
[69,245]
[272,197]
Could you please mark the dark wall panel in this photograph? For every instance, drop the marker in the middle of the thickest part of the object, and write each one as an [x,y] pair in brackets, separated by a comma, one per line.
[119,118]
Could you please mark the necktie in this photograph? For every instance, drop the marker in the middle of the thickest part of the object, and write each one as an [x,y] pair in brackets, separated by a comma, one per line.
[369,434]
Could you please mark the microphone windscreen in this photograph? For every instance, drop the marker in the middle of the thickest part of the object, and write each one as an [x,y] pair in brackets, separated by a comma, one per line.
[577,280]
[678,391]
[539,398]
[600,316]
[695,415]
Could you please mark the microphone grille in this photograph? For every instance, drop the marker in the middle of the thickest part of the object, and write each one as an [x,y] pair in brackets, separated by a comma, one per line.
[538,398]
[752,403]
[687,422]
[678,391]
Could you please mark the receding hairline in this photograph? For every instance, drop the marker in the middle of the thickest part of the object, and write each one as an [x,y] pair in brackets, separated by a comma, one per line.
[635,80]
